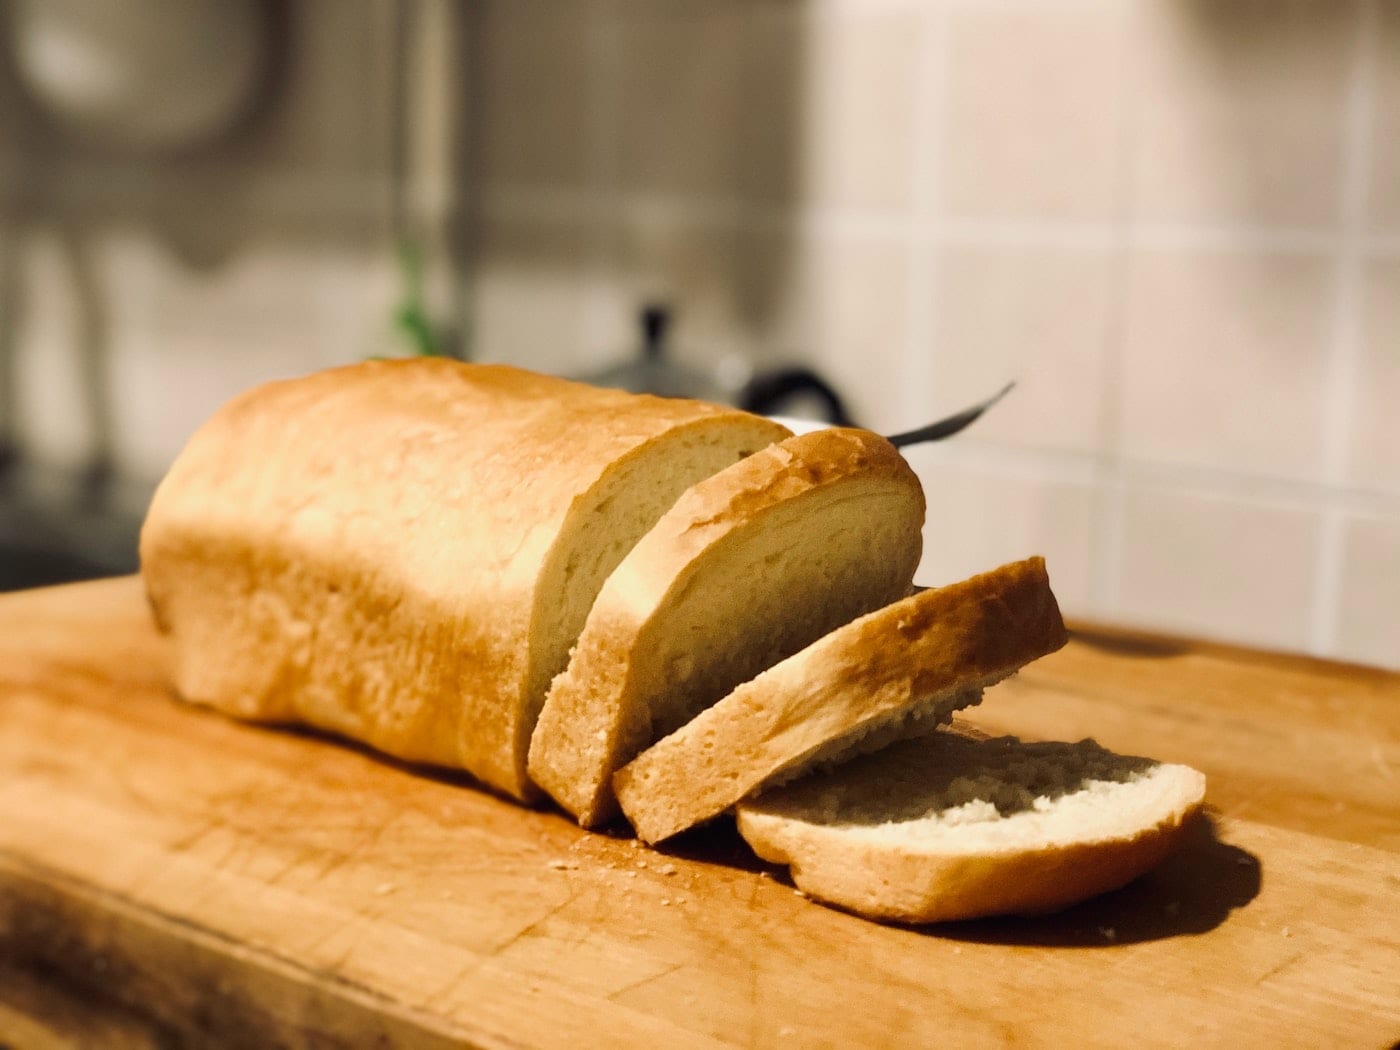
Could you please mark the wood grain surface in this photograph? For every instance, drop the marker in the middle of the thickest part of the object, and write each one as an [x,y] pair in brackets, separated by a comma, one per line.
[170,877]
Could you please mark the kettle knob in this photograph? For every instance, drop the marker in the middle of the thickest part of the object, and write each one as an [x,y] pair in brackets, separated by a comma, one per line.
[656,323]
[767,392]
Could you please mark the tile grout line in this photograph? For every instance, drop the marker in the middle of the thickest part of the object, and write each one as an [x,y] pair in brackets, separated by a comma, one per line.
[604,197]
[1082,468]
[1110,497]
[1343,343]
[697,212]
[921,349]
[864,6]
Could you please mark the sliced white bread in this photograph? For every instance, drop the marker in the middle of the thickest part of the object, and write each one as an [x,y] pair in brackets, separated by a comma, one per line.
[404,551]
[899,671]
[958,826]
[747,568]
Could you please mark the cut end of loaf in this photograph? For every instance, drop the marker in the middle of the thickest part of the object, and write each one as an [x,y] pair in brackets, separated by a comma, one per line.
[951,827]
[747,568]
[604,524]
[894,673]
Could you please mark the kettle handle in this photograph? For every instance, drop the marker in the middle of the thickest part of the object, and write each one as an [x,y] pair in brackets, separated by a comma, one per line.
[765,392]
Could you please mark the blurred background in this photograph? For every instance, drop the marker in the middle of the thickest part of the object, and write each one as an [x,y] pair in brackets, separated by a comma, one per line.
[1175,224]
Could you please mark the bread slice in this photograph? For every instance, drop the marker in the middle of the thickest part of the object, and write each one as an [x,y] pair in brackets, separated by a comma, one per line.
[404,551]
[957,826]
[896,672]
[748,567]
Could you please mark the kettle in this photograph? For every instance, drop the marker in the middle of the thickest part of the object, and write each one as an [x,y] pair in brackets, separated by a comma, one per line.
[734,382]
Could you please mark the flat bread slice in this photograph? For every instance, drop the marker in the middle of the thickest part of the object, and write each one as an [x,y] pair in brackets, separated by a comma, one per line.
[899,671]
[958,826]
[747,568]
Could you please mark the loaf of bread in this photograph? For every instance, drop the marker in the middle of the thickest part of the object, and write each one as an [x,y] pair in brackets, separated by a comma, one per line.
[896,672]
[747,568]
[403,552]
[955,826]
[536,581]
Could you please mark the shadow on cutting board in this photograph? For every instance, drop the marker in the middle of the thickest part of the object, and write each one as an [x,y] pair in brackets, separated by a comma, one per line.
[1192,892]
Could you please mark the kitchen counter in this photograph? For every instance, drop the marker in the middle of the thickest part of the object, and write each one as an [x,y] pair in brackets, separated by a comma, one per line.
[170,876]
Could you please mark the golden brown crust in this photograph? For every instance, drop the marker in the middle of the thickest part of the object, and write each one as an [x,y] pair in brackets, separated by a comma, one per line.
[596,716]
[937,646]
[959,825]
[361,549]
[897,886]
[745,493]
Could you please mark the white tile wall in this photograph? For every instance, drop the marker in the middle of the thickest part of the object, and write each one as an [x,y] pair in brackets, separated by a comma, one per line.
[1368,629]
[1175,224]
[690,75]
[537,300]
[1222,361]
[1037,313]
[1240,114]
[1034,104]
[535,65]
[978,519]
[861,76]
[1383,62]
[1213,563]
[843,309]
[1375,443]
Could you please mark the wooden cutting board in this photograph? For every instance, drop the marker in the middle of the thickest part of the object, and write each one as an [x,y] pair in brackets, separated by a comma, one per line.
[170,876]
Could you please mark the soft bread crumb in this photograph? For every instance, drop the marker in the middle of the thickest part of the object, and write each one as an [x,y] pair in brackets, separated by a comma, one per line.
[896,673]
[924,716]
[746,569]
[985,793]
[952,826]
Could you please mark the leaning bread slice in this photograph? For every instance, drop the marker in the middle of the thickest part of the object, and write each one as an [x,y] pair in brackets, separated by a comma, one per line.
[404,551]
[747,568]
[959,826]
[896,672]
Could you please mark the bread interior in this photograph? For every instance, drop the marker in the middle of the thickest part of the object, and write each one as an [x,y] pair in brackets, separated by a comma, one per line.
[879,732]
[951,793]
[760,595]
[605,525]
